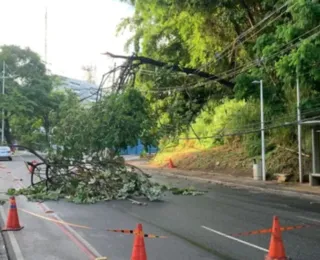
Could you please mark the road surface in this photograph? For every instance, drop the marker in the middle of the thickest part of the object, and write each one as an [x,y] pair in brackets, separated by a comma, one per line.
[197,227]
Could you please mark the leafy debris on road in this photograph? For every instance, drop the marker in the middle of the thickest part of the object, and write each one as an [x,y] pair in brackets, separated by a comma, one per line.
[186,191]
[135,202]
[96,179]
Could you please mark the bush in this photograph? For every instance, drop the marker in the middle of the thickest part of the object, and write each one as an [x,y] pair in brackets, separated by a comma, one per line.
[214,120]
[252,144]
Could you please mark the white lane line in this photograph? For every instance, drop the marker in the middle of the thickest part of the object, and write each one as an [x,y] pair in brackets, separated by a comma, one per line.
[235,239]
[311,219]
[12,238]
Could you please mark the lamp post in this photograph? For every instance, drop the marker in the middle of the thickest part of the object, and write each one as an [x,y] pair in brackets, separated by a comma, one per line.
[263,150]
[299,130]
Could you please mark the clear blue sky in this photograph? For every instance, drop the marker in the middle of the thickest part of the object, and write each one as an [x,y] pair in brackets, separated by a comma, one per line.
[78,31]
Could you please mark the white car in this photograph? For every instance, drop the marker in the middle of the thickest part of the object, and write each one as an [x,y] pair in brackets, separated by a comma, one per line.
[5,153]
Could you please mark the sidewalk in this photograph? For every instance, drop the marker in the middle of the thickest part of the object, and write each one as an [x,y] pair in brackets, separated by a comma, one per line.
[289,189]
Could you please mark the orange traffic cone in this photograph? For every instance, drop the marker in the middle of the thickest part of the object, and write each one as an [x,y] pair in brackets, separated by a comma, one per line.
[171,165]
[276,248]
[13,218]
[139,249]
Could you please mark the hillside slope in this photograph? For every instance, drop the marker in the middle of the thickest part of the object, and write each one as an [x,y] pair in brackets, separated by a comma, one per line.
[231,160]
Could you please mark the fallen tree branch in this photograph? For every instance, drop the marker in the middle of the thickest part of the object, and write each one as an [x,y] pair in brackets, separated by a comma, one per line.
[88,180]
[174,67]
[31,151]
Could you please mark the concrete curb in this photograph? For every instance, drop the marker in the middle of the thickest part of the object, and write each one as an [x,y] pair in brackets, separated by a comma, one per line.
[284,192]
[9,246]
[3,249]
[3,245]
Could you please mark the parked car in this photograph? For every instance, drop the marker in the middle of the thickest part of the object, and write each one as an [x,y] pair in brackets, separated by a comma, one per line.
[5,153]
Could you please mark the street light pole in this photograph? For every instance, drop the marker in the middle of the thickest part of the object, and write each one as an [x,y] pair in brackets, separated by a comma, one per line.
[3,86]
[299,131]
[263,150]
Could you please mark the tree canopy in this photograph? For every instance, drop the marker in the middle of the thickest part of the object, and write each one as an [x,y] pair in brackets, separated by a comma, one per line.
[238,41]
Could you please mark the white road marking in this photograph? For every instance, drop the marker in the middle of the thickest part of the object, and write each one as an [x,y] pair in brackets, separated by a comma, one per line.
[235,239]
[12,238]
[311,219]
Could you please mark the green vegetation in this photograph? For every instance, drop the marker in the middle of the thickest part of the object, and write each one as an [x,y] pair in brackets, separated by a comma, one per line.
[29,97]
[87,136]
[93,185]
[239,42]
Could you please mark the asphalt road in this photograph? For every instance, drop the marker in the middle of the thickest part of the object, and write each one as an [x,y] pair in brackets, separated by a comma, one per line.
[198,227]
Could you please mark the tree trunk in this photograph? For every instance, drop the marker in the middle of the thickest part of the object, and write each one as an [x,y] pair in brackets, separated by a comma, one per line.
[236,26]
[46,125]
[249,14]
[7,133]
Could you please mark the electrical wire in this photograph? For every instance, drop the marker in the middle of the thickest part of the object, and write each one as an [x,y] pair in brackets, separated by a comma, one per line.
[243,68]
[248,127]
[251,131]
[246,33]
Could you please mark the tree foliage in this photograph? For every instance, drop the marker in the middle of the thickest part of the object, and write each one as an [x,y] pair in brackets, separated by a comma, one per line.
[27,91]
[241,41]
[193,33]
[114,122]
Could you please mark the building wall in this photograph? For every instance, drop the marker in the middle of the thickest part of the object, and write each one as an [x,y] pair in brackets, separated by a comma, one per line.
[80,87]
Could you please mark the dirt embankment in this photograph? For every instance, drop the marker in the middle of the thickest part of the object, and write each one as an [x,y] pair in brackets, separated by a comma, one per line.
[231,160]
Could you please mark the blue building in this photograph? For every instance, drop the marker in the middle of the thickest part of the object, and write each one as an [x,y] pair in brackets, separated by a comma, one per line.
[138,149]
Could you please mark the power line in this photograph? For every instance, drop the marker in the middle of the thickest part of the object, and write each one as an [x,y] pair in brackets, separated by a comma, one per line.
[247,32]
[272,21]
[241,68]
[244,67]
[248,127]
[252,64]
[249,131]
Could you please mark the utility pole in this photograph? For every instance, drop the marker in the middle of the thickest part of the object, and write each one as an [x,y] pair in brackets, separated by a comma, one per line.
[114,73]
[3,86]
[263,149]
[299,130]
[46,36]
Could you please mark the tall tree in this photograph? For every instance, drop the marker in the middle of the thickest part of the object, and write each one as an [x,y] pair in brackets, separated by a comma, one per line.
[26,88]
[240,41]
